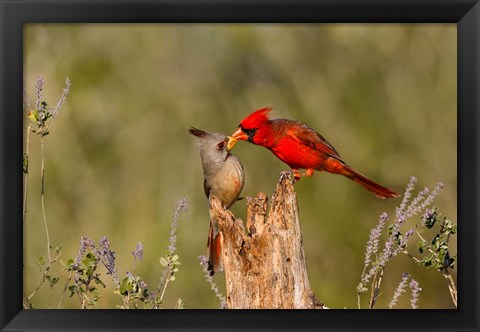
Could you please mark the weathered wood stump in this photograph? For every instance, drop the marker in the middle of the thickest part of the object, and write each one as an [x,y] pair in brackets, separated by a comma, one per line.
[264,263]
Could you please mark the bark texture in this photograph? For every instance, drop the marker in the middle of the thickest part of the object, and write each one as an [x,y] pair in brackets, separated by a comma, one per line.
[264,260]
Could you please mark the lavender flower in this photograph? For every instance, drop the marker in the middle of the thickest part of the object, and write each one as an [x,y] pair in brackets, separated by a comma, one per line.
[400,289]
[366,278]
[85,242]
[404,212]
[429,218]
[44,115]
[416,206]
[392,245]
[428,214]
[406,196]
[415,289]
[60,102]
[138,252]
[387,253]
[142,284]
[26,101]
[373,242]
[107,257]
[401,246]
[409,233]
[182,205]
[39,88]
[393,248]
[204,263]
[171,261]
[416,202]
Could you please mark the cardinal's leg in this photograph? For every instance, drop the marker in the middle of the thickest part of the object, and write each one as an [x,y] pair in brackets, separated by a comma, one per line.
[296,174]
[309,171]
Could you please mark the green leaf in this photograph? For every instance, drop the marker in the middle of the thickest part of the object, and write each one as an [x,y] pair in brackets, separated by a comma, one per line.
[57,249]
[33,116]
[361,289]
[91,256]
[436,242]
[87,262]
[450,227]
[89,272]
[98,281]
[74,289]
[51,280]
[181,304]
[451,262]
[124,286]
[41,261]
[70,263]
[163,261]
[390,229]
[427,261]
[421,246]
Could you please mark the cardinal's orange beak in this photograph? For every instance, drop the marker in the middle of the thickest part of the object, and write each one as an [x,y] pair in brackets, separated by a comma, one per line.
[238,135]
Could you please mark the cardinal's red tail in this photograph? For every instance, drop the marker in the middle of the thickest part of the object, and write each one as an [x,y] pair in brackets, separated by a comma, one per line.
[214,244]
[378,190]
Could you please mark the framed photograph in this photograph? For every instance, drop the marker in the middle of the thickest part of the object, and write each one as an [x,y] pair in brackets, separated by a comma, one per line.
[218,155]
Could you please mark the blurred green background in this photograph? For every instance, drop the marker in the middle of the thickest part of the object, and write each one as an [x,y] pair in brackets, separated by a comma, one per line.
[119,155]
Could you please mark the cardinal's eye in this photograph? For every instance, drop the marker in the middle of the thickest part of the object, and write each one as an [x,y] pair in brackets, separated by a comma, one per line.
[221,145]
[249,132]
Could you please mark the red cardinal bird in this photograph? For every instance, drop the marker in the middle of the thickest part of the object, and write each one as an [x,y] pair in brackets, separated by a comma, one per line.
[300,147]
[223,177]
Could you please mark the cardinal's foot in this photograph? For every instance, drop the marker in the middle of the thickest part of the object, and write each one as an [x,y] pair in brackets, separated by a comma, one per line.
[296,175]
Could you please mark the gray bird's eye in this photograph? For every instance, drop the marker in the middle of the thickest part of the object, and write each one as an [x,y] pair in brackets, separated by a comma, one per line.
[221,145]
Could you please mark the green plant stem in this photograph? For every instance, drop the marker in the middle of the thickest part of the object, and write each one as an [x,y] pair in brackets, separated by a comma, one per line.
[165,287]
[40,284]
[126,302]
[83,297]
[42,280]
[165,279]
[451,286]
[64,289]
[411,256]
[361,278]
[376,282]
[25,190]
[43,198]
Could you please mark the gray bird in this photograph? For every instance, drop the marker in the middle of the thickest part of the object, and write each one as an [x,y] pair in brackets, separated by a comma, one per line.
[224,178]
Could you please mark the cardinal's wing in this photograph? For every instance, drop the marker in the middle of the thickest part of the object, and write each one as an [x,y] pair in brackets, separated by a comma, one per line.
[311,138]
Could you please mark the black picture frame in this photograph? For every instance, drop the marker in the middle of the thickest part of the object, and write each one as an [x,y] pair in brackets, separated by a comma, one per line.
[15,13]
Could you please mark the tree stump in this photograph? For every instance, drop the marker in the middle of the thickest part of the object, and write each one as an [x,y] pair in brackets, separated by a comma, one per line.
[265,264]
